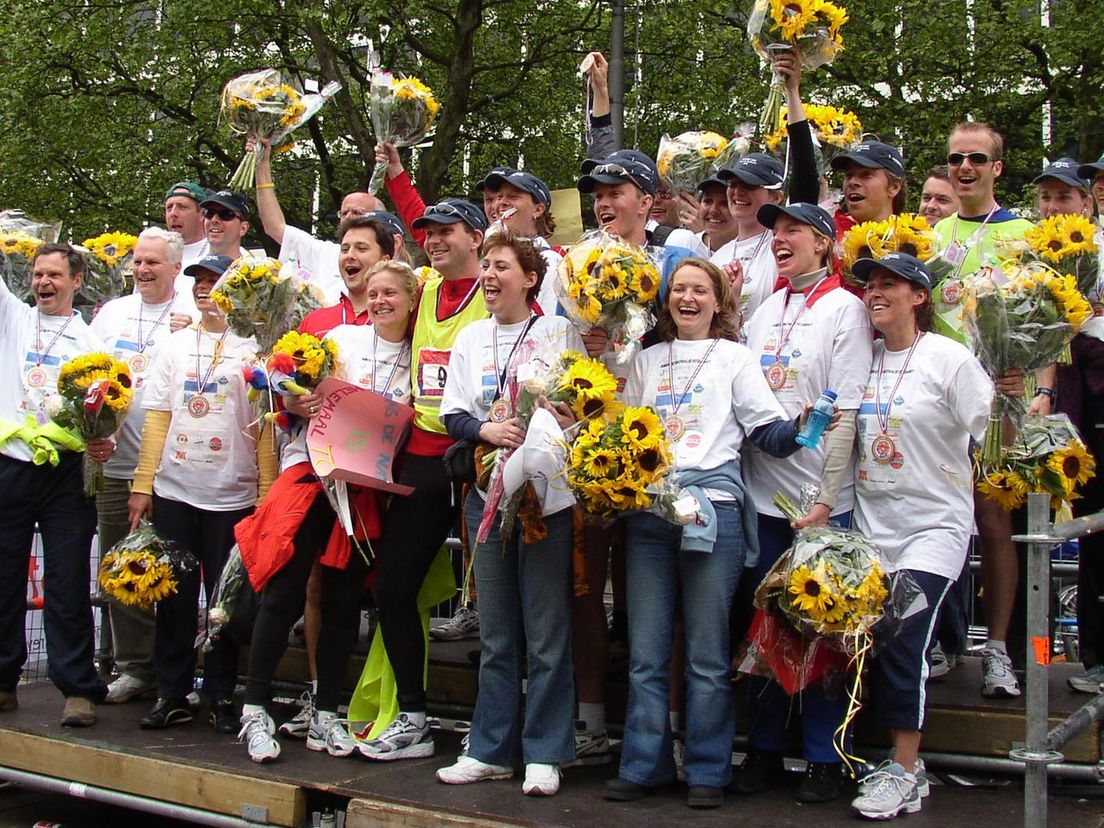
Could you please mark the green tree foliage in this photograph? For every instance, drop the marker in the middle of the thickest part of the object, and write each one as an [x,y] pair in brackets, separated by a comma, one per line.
[106,102]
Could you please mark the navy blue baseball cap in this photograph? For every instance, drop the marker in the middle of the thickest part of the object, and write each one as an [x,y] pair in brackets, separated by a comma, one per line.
[899,264]
[756,169]
[524,181]
[487,183]
[873,155]
[620,170]
[1091,171]
[712,181]
[811,214]
[450,211]
[230,200]
[620,155]
[211,262]
[1068,171]
[388,220]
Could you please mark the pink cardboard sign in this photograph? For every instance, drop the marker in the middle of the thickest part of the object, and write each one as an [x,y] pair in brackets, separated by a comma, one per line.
[355,435]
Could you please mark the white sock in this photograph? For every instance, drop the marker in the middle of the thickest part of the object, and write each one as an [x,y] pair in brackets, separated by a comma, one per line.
[675,718]
[417,719]
[593,716]
[993,644]
[249,709]
[314,687]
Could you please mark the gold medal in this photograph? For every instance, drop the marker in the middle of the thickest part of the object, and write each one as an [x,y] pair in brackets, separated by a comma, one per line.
[36,377]
[500,411]
[139,362]
[198,406]
[675,427]
[776,375]
[883,448]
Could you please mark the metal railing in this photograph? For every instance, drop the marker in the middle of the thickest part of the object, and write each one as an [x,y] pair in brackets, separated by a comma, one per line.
[1042,747]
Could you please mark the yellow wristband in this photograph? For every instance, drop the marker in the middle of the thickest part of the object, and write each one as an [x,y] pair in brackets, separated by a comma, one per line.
[266,186]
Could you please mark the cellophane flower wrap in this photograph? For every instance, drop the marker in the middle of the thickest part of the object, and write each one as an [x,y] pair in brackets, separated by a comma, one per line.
[299,361]
[144,568]
[834,130]
[829,601]
[264,299]
[810,27]
[609,283]
[1019,318]
[20,238]
[1067,242]
[109,257]
[402,111]
[686,160]
[1047,457]
[95,391]
[232,594]
[737,147]
[266,105]
[900,233]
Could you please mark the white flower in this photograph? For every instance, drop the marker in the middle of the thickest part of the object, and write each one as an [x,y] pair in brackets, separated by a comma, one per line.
[53,406]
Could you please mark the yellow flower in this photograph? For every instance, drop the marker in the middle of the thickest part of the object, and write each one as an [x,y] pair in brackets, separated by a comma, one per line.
[1062,237]
[1007,489]
[791,18]
[810,590]
[641,428]
[600,462]
[592,385]
[1075,465]
[863,241]
[111,248]
[20,244]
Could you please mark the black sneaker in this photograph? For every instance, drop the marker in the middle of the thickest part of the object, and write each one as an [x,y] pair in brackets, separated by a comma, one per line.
[224,717]
[167,713]
[622,790]
[821,782]
[705,796]
[761,768]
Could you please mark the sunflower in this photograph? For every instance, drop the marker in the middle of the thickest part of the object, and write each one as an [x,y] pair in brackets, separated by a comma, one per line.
[588,379]
[111,247]
[810,590]
[116,397]
[792,18]
[162,587]
[863,241]
[601,462]
[1074,464]
[120,373]
[641,428]
[628,492]
[1007,489]
[652,463]
[644,281]
[20,244]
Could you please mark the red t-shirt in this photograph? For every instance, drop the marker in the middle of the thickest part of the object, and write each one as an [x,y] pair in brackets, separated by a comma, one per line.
[320,322]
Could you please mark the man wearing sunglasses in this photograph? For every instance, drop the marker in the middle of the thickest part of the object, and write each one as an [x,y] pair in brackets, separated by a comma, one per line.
[974,157]
[225,223]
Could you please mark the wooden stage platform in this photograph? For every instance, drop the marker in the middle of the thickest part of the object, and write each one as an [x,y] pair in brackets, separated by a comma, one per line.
[194,767]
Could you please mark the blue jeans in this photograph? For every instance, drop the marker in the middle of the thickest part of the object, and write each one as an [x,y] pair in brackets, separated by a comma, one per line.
[658,572]
[815,712]
[525,594]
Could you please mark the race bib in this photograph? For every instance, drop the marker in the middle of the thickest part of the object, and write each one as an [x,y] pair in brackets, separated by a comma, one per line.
[432,372]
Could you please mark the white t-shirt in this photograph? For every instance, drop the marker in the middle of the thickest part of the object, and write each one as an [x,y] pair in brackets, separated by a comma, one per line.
[124,324]
[760,269]
[546,296]
[209,461]
[688,240]
[33,348]
[472,384]
[826,346]
[919,507]
[193,253]
[317,257]
[358,351]
[727,399]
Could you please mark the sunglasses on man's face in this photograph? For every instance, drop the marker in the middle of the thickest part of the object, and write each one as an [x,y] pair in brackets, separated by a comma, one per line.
[978,159]
[225,215]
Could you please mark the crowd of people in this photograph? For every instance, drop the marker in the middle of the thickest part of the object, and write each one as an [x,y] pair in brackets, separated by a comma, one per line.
[754,321]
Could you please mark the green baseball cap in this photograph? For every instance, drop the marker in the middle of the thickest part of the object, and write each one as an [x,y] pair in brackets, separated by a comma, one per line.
[190,189]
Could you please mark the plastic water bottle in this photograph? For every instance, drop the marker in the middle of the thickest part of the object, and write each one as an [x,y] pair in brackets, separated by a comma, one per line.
[819,417]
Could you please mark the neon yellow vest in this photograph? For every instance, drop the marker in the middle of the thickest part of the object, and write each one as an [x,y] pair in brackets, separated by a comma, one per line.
[431,346]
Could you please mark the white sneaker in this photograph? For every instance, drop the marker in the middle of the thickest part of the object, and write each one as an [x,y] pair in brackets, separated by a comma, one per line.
[887,792]
[298,725]
[127,688]
[465,624]
[541,780]
[468,769]
[402,740]
[329,733]
[997,677]
[1090,681]
[923,786]
[940,665]
[591,748]
[257,732]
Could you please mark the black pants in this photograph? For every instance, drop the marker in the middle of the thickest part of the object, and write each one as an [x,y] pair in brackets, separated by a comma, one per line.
[414,528]
[210,537]
[53,497]
[1090,579]
[281,604]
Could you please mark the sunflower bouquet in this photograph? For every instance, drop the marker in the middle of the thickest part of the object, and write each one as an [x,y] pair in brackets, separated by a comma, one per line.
[266,105]
[264,299]
[686,160]
[834,130]
[1047,457]
[585,384]
[95,391]
[1022,319]
[810,27]
[299,361]
[900,233]
[144,568]
[609,283]
[621,464]
[1068,244]
[20,238]
[737,147]
[108,257]
[402,111]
